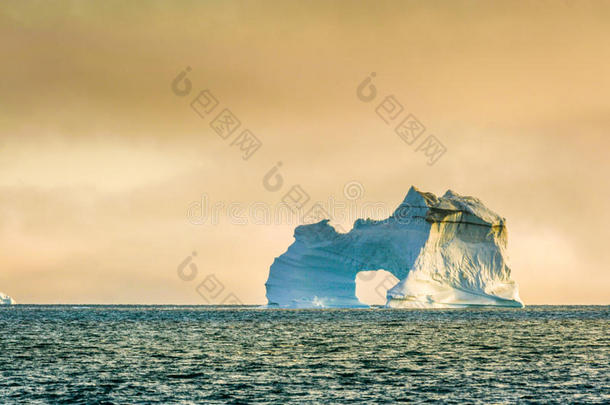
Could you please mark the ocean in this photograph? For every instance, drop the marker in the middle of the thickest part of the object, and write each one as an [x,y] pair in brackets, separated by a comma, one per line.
[199,354]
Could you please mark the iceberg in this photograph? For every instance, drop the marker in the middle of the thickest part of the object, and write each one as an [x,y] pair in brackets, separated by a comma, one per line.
[446,252]
[6,300]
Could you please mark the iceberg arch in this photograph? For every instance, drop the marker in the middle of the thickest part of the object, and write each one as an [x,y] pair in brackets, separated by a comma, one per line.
[447,252]
[372,286]
[321,265]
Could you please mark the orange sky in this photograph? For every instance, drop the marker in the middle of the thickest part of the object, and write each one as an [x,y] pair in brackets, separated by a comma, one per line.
[100,160]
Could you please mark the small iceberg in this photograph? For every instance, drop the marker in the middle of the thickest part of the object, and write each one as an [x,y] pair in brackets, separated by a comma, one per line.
[6,300]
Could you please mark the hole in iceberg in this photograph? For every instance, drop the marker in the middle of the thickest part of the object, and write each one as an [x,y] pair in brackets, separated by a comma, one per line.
[372,286]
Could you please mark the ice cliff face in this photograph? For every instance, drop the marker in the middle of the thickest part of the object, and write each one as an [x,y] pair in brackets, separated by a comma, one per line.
[6,300]
[447,252]
[463,262]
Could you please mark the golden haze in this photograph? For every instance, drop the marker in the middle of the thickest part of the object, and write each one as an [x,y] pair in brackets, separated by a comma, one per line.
[99,160]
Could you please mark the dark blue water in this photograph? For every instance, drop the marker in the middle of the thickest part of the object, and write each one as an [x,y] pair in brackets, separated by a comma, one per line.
[135,354]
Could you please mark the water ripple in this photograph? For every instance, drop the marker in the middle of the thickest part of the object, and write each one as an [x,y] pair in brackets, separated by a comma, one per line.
[147,354]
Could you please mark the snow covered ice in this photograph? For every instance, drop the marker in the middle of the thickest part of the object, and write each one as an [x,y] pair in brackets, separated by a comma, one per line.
[446,252]
[6,300]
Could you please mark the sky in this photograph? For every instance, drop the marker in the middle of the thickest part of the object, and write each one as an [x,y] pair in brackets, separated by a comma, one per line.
[105,164]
